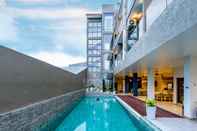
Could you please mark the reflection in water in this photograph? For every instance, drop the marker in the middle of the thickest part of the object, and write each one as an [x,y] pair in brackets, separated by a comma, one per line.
[102,115]
[81,127]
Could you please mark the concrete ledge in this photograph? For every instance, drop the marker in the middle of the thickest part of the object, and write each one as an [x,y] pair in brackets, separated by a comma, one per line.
[98,94]
[45,115]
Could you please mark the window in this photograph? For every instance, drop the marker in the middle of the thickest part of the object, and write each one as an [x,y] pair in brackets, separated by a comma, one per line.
[99,34]
[99,30]
[108,23]
[99,24]
[106,65]
[90,41]
[107,41]
[106,46]
[90,24]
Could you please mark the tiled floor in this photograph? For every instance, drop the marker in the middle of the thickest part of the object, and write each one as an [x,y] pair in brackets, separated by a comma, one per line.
[140,106]
[168,121]
[175,124]
[169,106]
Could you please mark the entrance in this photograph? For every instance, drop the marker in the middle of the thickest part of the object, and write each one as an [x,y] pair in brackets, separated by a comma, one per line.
[180,87]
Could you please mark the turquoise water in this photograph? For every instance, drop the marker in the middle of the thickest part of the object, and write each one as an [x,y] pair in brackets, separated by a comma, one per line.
[103,115]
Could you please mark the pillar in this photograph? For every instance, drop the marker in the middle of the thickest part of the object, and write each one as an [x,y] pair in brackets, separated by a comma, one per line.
[135,84]
[151,84]
[175,89]
[190,87]
[126,84]
[124,21]
[123,85]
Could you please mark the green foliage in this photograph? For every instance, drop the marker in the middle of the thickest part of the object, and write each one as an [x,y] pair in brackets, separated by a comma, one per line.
[151,102]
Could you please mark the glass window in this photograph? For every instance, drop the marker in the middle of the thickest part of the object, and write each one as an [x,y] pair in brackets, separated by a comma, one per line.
[106,65]
[93,29]
[99,29]
[106,46]
[94,24]
[90,24]
[94,42]
[89,35]
[99,47]
[94,34]
[99,24]
[99,34]
[108,23]
[90,41]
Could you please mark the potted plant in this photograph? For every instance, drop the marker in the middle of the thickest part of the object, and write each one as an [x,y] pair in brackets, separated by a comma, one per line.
[151,108]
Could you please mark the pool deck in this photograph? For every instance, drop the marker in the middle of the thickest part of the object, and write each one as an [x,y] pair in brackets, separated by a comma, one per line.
[175,124]
[165,120]
[140,107]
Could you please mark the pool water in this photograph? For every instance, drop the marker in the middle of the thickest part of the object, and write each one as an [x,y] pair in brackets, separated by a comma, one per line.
[105,114]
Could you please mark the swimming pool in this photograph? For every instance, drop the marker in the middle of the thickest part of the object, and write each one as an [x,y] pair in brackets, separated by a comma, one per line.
[105,114]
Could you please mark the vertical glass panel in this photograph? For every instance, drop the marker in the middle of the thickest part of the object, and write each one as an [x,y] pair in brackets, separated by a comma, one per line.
[108,23]
[106,46]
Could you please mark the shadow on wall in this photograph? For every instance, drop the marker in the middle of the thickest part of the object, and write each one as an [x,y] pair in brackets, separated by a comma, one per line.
[25,80]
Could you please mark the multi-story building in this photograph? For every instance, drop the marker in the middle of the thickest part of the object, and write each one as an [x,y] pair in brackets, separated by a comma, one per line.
[154,51]
[107,31]
[94,47]
[99,35]
[77,67]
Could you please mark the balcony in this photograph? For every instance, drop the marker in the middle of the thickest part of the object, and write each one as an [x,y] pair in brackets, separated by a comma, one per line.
[179,16]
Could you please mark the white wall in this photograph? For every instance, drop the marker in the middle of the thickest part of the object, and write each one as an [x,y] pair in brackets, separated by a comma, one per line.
[154,10]
[190,87]
[25,80]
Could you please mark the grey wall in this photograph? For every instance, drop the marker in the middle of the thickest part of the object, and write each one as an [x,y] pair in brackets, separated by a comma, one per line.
[25,80]
[42,116]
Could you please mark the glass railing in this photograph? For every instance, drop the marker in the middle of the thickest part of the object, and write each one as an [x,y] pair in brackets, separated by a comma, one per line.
[118,59]
[133,35]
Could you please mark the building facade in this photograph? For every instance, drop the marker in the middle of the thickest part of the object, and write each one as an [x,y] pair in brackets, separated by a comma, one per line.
[107,31]
[94,47]
[77,67]
[99,35]
[154,51]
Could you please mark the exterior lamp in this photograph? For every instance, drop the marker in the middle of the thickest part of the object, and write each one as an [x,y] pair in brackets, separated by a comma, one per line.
[137,16]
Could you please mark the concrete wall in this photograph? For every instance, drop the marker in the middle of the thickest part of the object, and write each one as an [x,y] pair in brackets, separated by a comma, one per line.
[35,95]
[190,87]
[42,116]
[25,80]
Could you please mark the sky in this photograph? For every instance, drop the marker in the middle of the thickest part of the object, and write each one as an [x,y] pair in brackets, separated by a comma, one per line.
[53,31]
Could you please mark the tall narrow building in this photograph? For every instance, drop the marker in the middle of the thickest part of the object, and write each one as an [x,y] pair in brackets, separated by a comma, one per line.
[107,31]
[99,35]
[94,47]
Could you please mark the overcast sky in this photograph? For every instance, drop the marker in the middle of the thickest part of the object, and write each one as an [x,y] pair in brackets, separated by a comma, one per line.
[51,30]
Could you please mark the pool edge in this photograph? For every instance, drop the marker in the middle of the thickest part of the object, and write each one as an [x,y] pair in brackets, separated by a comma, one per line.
[131,111]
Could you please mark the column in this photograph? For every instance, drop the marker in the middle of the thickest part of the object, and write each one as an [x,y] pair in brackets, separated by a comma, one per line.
[135,84]
[113,84]
[190,87]
[124,21]
[151,84]
[123,85]
[175,89]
